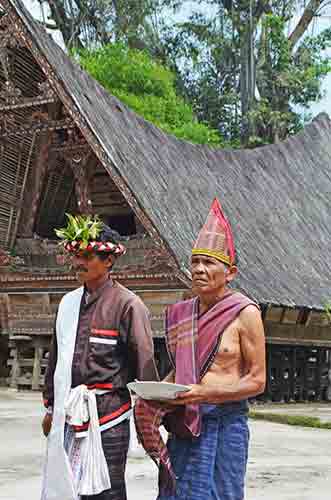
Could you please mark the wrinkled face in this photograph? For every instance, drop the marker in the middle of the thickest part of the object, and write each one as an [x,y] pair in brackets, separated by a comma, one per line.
[90,267]
[209,275]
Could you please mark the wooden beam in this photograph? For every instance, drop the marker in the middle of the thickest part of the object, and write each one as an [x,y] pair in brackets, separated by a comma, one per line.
[12,210]
[21,197]
[33,194]
[308,319]
[59,182]
[83,179]
[27,103]
[282,317]
[297,334]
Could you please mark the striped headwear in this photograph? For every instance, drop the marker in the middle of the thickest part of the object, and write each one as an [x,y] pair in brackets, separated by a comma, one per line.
[215,238]
[88,233]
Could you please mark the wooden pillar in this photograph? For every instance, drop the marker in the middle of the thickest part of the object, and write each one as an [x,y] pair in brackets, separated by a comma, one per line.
[305,376]
[15,366]
[83,169]
[282,381]
[38,353]
[300,363]
[318,373]
[293,369]
[46,303]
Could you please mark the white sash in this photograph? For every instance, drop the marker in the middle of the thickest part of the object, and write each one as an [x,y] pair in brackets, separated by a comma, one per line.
[58,479]
[80,407]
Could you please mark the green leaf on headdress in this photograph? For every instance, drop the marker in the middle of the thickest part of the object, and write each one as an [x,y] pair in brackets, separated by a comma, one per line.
[83,228]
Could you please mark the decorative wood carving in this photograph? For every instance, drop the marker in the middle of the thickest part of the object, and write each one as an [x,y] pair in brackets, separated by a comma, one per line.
[10,93]
[46,91]
[90,138]
[5,258]
[37,123]
[40,172]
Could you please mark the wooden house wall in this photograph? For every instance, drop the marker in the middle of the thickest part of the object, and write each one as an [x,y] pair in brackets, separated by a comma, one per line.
[25,309]
[33,313]
[30,315]
[298,355]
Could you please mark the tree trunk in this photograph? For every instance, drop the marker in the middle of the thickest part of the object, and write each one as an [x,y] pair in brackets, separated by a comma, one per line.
[247,80]
[308,14]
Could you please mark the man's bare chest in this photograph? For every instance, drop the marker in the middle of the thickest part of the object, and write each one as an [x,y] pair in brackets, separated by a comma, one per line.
[229,350]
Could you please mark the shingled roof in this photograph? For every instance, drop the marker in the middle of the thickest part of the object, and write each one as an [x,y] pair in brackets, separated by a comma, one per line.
[277,198]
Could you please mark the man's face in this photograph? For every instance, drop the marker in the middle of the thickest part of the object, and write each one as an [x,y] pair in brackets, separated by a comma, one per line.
[90,267]
[209,275]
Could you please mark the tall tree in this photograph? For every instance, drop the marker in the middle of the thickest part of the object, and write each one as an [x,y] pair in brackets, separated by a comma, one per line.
[237,61]
[89,23]
[246,42]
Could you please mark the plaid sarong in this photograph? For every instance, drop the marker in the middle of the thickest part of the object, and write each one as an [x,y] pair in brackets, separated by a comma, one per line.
[192,343]
[212,466]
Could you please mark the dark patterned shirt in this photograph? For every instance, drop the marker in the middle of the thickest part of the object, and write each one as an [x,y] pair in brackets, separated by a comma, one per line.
[114,346]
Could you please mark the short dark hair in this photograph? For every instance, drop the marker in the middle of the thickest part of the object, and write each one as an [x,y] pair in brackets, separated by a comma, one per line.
[108,234]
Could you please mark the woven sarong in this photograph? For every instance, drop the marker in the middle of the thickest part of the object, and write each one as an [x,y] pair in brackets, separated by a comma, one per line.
[212,466]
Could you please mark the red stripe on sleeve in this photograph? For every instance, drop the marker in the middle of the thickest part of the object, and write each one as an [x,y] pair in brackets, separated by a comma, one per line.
[107,333]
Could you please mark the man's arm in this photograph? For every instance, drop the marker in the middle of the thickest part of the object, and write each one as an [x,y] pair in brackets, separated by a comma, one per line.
[140,340]
[252,383]
[48,390]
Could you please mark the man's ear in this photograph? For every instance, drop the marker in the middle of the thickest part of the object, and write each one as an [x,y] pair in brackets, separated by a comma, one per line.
[231,273]
[111,261]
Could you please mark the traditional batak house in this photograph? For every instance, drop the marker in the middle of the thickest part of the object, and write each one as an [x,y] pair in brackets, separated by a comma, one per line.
[66,145]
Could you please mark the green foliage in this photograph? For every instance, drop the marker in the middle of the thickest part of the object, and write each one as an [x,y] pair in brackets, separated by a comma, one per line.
[83,228]
[204,51]
[211,54]
[327,310]
[148,88]
[313,65]
[212,72]
[297,420]
[287,78]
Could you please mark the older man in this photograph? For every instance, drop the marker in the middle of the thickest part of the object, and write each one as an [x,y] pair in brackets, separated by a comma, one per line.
[216,346]
[102,341]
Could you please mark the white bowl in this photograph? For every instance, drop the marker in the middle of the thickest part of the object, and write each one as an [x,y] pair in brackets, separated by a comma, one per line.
[157,390]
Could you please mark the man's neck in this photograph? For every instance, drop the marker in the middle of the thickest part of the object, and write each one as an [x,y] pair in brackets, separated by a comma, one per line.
[209,300]
[93,285]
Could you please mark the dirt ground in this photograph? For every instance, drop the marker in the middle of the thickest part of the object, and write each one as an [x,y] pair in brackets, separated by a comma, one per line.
[286,463]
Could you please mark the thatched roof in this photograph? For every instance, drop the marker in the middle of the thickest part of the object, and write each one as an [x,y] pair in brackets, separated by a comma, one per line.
[277,198]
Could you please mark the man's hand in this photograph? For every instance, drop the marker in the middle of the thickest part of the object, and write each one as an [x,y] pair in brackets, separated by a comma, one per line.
[47,424]
[196,395]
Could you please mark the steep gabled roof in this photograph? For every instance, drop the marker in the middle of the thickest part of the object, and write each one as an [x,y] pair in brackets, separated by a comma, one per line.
[277,198]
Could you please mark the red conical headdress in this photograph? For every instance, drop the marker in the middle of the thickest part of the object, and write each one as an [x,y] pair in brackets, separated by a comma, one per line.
[215,238]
